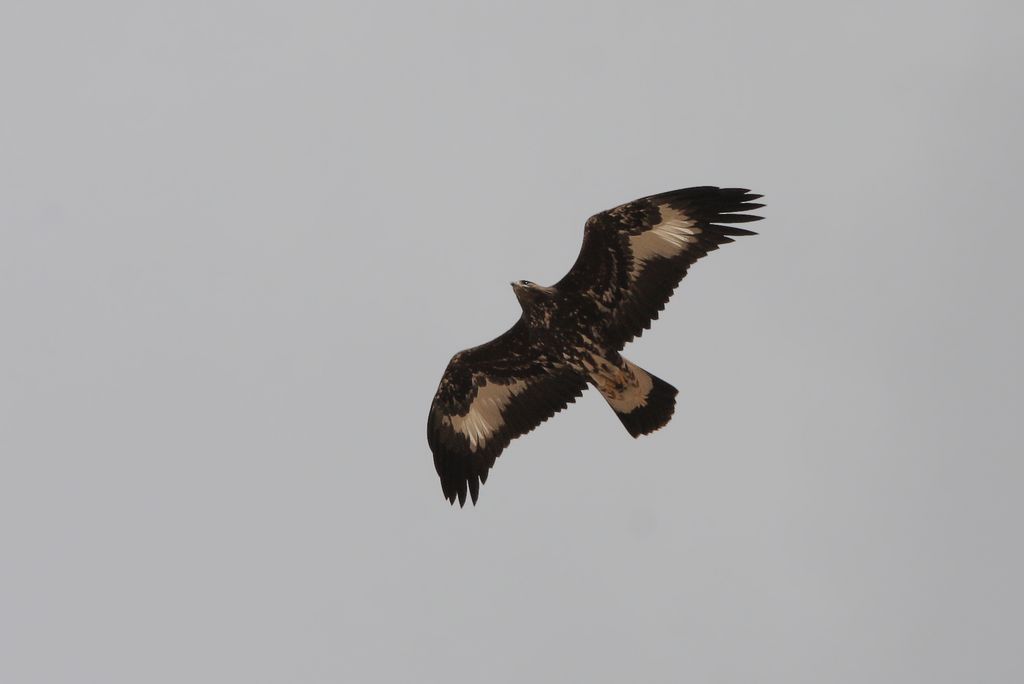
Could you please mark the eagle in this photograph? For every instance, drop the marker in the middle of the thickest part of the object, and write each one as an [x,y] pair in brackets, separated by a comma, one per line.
[570,334]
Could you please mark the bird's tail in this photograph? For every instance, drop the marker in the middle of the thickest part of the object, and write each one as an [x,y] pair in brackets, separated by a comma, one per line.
[641,400]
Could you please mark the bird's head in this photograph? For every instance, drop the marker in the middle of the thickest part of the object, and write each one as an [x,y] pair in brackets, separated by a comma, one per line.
[529,293]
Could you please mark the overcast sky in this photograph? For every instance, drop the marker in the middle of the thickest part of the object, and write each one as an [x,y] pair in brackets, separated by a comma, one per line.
[239,241]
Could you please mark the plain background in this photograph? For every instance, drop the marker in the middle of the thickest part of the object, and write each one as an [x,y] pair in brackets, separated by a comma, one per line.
[241,240]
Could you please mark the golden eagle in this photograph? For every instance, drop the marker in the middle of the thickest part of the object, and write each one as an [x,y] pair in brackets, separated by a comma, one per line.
[570,334]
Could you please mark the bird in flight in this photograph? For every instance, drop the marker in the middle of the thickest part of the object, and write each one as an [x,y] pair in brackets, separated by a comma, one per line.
[570,334]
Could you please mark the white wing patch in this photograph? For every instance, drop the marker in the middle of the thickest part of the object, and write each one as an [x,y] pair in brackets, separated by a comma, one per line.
[485,413]
[668,238]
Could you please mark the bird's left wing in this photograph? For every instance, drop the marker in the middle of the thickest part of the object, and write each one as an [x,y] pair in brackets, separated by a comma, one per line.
[634,255]
[488,396]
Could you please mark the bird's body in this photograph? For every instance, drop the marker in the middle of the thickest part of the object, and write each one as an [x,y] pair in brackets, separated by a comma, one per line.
[571,334]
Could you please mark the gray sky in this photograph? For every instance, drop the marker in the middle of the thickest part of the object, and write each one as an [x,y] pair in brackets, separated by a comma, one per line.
[239,241]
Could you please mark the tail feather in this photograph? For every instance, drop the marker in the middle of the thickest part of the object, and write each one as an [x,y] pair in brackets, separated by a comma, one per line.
[654,412]
[642,401]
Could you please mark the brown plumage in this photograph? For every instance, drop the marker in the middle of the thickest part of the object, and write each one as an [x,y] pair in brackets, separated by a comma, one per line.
[570,334]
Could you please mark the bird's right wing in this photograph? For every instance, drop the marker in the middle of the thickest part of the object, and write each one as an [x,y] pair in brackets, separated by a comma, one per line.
[488,396]
[634,255]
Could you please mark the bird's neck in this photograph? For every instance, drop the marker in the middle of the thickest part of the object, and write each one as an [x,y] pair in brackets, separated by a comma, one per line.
[536,313]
